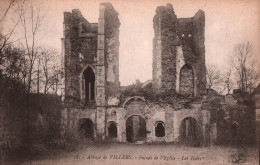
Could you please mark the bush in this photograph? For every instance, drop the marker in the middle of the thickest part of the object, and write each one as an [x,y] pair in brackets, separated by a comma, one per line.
[70,141]
[9,146]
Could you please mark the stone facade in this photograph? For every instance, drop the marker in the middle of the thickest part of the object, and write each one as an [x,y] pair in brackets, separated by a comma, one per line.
[178,65]
[95,46]
[179,52]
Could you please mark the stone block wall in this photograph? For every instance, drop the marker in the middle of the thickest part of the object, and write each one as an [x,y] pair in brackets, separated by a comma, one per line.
[107,62]
[150,112]
[164,50]
[71,117]
[154,113]
[79,44]
[94,45]
[178,41]
[201,117]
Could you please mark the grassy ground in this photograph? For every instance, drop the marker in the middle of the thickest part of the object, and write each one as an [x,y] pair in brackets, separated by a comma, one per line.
[161,154]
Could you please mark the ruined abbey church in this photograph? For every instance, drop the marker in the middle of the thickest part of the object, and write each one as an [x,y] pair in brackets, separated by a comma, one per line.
[95,107]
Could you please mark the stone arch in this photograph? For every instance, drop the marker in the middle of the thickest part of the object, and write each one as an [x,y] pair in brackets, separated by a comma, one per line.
[133,98]
[159,129]
[88,84]
[135,128]
[187,80]
[112,129]
[86,128]
[189,131]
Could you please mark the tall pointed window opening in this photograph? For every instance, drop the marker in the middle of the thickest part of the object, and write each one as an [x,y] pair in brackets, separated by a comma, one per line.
[89,78]
[187,80]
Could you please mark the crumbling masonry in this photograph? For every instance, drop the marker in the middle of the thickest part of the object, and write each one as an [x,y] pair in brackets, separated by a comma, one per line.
[179,52]
[91,87]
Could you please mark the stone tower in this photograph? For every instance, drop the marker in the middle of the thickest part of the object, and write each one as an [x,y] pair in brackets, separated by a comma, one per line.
[179,52]
[90,62]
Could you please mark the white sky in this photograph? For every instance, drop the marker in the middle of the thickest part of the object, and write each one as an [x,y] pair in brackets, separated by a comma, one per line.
[227,23]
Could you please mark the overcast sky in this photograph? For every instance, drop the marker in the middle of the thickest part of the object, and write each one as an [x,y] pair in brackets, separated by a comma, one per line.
[227,23]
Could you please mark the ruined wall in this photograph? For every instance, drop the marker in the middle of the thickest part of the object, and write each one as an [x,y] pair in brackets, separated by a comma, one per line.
[151,113]
[79,44]
[112,51]
[107,63]
[96,46]
[178,41]
[154,113]
[165,42]
[71,117]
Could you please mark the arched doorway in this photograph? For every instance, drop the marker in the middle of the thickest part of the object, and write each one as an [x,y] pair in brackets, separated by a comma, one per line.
[112,130]
[135,129]
[89,83]
[86,128]
[159,129]
[189,131]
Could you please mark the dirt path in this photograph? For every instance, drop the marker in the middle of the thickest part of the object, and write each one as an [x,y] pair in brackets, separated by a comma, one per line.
[129,154]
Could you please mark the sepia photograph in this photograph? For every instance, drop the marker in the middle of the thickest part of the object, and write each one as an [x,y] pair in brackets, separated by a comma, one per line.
[129,82]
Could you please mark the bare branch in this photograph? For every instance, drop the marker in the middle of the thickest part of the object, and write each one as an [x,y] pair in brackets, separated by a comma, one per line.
[7,10]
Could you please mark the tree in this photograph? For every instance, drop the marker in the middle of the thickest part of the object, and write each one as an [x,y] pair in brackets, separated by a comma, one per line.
[13,63]
[213,76]
[243,61]
[30,21]
[55,80]
[5,36]
[8,8]
[50,70]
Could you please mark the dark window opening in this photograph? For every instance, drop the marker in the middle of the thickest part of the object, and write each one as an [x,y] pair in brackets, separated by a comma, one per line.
[89,77]
[159,130]
[86,128]
[112,130]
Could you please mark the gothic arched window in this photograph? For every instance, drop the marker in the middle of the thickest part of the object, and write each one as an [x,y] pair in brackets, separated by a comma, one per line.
[187,80]
[89,78]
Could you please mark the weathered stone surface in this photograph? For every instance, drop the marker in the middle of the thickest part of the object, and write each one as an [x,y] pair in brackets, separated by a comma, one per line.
[171,34]
[80,50]
[111,32]
[94,45]
[100,74]
[164,72]
[178,65]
